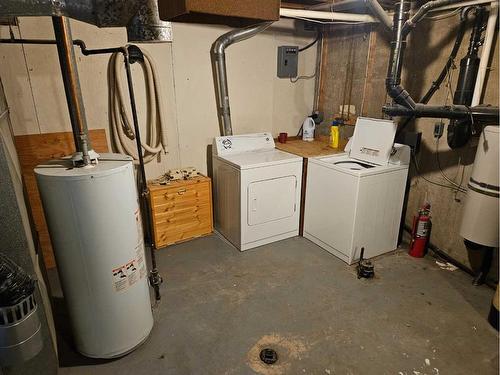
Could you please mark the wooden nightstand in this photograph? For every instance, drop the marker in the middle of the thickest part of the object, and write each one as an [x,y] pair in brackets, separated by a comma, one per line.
[181,210]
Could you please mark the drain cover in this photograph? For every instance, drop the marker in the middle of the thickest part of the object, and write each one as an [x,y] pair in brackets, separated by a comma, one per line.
[268,356]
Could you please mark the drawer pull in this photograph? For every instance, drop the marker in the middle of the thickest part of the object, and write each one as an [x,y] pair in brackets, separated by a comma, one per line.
[181,191]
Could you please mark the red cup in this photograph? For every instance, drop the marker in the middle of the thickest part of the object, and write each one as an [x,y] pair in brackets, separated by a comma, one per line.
[282,137]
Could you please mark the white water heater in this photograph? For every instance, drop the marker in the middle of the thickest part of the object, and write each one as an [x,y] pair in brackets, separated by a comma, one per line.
[96,231]
[480,222]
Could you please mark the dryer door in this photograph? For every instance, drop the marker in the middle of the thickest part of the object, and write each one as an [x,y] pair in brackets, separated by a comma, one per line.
[271,200]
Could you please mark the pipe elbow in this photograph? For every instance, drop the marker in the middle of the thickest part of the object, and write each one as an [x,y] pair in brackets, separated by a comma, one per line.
[399,94]
[237,35]
[220,45]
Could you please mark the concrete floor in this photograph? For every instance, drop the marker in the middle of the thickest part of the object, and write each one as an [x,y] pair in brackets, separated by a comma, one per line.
[220,307]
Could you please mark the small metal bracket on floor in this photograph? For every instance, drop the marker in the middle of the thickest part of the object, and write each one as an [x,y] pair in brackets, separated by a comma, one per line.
[365,267]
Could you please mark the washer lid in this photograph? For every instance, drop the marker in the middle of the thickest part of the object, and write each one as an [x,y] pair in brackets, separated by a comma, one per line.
[373,140]
[353,165]
[236,144]
[263,158]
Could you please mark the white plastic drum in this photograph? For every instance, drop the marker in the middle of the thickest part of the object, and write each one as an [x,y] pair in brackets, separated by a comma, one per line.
[480,215]
[95,228]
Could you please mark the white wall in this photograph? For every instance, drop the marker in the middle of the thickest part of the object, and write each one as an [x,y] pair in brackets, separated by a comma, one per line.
[259,100]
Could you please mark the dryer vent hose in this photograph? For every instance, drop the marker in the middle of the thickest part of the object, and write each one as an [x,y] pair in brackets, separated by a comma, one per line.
[155,139]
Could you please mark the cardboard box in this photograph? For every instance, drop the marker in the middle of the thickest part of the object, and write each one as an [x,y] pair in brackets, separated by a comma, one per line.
[235,13]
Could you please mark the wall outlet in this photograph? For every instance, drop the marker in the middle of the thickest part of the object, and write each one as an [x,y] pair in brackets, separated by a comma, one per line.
[288,61]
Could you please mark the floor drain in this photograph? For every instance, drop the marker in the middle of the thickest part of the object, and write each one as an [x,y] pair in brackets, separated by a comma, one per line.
[268,356]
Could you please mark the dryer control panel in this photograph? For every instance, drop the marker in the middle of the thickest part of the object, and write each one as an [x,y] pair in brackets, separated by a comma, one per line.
[236,144]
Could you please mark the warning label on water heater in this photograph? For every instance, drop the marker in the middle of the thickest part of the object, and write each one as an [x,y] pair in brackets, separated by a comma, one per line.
[120,279]
[132,272]
[140,260]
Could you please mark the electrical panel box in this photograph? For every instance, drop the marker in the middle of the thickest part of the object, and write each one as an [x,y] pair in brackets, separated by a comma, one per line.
[288,61]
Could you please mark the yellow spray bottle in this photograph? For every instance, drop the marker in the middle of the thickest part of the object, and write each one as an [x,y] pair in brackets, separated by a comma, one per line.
[334,134]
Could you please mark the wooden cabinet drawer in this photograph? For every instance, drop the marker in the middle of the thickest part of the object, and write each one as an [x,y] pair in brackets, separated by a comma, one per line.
[181,210]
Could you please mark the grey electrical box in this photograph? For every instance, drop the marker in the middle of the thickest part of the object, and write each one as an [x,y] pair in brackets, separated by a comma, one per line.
[288,61]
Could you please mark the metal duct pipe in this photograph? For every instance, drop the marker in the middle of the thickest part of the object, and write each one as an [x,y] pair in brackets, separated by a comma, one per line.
[220,70]
[72,88]
[380,13]
[103,13]
[398,45]
[140,17]
[146,26]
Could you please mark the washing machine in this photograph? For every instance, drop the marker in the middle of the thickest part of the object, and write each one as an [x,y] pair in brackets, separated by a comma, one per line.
[354,200]
[256,190]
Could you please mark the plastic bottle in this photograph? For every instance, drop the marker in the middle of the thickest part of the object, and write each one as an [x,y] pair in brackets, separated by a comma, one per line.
[334,134]
[308,129]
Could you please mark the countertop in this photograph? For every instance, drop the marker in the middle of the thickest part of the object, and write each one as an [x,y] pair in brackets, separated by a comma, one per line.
[318,147]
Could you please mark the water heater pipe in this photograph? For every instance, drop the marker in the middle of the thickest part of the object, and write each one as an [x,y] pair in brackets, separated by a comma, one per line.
[485,53]
[220,70]
[72,88]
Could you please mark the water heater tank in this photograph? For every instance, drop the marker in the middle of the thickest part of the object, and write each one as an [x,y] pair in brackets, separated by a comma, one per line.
[480,215]
[95,227]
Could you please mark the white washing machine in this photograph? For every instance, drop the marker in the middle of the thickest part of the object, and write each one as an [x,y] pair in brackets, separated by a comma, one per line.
[256,190]
[355,199]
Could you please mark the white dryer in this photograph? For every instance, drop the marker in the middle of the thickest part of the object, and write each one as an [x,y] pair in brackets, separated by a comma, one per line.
[256,190]
[355,199]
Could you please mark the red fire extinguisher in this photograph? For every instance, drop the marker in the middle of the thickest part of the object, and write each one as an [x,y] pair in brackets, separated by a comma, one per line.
[421,232]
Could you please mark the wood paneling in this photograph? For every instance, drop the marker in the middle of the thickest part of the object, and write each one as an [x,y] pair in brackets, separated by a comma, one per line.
[344,68]
[34,149]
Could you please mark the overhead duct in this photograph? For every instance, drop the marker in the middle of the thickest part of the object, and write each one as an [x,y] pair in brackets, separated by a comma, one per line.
[139,17]
[146,26]
[220,70]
